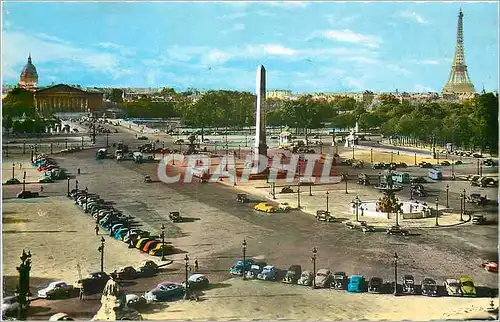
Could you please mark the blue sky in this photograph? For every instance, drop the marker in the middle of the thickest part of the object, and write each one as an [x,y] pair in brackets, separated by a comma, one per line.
[305,46]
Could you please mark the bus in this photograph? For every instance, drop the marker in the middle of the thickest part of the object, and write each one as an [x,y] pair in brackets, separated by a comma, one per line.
[435,174]
[401,177]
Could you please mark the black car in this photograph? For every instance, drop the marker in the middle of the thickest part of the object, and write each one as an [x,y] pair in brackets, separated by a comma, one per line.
[242,197]
[94,283]
[375,285]
[479,220]
[26,194]
[397,230]
[175,216]
[408,284]
[339,281]
[12,181]
[292,274]
[429,287]
[380,165]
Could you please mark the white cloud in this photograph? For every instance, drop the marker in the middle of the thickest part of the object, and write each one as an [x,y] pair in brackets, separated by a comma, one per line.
[430,62]
[45,49]
[362,59]
[289,4]
[264,13]
[340,20]
[120,48]
[397,69]
[418,88]
[232,16]
[347,35]
[278,50]
[412,15]
[239,26]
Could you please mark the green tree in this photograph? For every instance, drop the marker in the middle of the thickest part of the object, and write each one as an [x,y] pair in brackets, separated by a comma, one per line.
[116,95]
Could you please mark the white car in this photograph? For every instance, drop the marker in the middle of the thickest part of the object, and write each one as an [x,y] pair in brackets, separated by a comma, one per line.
[285,206]
[55,289]
[452,287]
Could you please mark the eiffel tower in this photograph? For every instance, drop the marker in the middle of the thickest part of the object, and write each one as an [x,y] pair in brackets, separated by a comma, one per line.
[459,80]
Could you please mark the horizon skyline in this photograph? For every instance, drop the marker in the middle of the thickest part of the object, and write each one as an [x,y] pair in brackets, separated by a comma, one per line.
[334,55]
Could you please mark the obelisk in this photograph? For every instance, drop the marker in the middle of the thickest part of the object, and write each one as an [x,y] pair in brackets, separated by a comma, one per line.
[260,147]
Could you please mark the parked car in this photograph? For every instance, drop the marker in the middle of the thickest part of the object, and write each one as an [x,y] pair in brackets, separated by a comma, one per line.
[255,269]
[306,278]
[126,273]
[197,282]
[147,269]
[425,165]
[397,230]
[269,273]
[12,181]
[491,266]
[61,316]
[150,245]
[418,180]
[175,216]
[452,287]
[10,307]
[94,283]
[57,289]
[161,249]
[467,287]
[339,281]
[322,278]
[429,287]
[379,165]
[284,206]
[375,285]
[164,291]
[286,189]
[479,220]
[264,207]
[242,197]
[409,284]
[141,242]
[26,194]
[135,301]
[323,215]
[356,284]
[46,180]
[445,163]
[292,274]
[237,269]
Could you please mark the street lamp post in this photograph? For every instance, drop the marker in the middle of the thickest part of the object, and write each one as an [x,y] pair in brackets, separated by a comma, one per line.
[86,199]
[68,188]
[24,147]
[447,195]
[66,142]
[477,163]
[353,151]
[465,197]
[310,189]
[356,202]
[244,246]
[415,155]
[345,178]
[461,207]
[379,180]
[13,167]
[392,157]
[101,250]
[452,170]
[163,242]
[298,195]
[395,274]
[327,200]
[313,259]
[107,139]
[76,185]
[24,182]
[273,191]
[371,155]
[437,212]
[186,261]
[411,193]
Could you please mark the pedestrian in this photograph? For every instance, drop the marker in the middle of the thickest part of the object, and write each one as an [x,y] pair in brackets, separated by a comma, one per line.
[96,230]
[196,265]
[81,293]
[78,170]
[20,165]
[41,188]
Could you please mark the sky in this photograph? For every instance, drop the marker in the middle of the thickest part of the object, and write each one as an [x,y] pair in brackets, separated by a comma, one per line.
[304,46]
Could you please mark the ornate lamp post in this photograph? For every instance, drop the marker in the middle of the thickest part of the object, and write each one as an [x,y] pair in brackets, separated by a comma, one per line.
[461,207]
[23,288]
[447,195]
[13,167]
[298,195]
[101,250]
[379,180]
[107,139]
[371,155]
[353,151]
[163,242]
[477,162]
[356,203]
[452,170]
[24,182]
[465,197]
[327,200]
[244,246]
[76,182]
[395,274]
[67,195]
[411,193]
[437,212]
[86,199]
[345,178]
[186,261]
[313,259]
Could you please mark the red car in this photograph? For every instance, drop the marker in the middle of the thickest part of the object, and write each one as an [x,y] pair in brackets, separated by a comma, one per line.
[490,266]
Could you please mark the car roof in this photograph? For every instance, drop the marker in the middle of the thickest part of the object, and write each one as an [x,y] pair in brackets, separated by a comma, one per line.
[465,279]
[451,280]
[268,267]
[324,270]
[57,282]
[195,276]
[429,280]
[356,277]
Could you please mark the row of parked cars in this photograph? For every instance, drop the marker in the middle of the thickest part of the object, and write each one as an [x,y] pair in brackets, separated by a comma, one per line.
[119,225]
[324,278]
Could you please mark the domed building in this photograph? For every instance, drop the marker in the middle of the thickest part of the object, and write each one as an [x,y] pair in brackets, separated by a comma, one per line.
[29,77]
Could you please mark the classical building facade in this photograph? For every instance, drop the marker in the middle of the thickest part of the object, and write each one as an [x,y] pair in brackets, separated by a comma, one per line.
[29,76]
[65,98]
